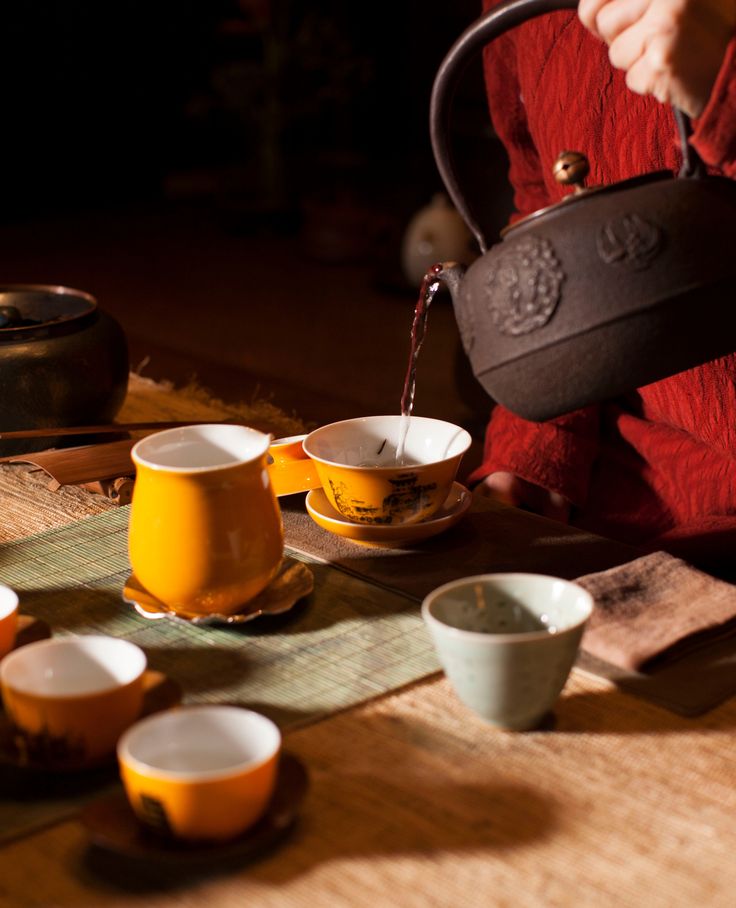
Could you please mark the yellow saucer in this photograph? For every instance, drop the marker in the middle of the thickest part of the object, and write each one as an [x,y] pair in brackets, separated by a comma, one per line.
[293,582]
[323,514]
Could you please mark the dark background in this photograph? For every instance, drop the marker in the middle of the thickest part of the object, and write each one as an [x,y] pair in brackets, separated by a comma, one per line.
[259,108]
[232,180]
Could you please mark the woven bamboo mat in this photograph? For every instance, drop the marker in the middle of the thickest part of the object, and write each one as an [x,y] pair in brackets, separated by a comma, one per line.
[342,645]
[496,538]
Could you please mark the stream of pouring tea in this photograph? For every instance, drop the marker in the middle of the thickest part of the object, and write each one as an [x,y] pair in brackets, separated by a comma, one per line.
[427,292]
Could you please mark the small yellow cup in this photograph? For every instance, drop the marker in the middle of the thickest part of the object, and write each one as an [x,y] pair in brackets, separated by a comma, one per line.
[8,619]
[205,532]
[387,470]
[200,772]
[70,698]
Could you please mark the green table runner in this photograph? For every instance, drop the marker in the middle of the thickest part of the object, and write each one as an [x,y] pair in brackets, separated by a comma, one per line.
[347,642]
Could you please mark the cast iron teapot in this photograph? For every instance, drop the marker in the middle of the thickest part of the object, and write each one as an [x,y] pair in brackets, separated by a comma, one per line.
[608,290]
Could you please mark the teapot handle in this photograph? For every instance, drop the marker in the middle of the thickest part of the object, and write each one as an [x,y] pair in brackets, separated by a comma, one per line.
[489,26]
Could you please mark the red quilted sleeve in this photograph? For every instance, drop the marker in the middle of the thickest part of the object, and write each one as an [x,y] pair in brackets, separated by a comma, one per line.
[508,116]
[558,454]
[714,133]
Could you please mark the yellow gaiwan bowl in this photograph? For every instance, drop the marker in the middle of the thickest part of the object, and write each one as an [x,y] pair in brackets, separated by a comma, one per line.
[366,477]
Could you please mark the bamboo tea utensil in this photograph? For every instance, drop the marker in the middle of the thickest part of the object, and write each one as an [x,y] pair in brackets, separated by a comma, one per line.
[103,429]
[87,463]
[106,468]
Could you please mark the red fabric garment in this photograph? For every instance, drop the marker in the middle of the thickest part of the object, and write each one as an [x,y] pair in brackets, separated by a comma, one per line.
[658,467]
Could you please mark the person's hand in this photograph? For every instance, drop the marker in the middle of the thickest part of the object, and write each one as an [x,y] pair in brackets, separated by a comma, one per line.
[672,49]
[511,489]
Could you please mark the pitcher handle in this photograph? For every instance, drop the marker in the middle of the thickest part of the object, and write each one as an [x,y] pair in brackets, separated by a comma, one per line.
[489,26]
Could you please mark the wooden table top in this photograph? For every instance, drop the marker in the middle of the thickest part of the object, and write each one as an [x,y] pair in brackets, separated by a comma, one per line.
[414,801]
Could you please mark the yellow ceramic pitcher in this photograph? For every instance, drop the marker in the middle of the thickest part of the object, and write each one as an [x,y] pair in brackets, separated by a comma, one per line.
[205,528]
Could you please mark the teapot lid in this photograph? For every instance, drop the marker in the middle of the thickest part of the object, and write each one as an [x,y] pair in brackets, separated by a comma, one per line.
[570,169]
[493,23]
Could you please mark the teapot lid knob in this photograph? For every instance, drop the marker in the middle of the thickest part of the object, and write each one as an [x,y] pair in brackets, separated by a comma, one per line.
[571,168]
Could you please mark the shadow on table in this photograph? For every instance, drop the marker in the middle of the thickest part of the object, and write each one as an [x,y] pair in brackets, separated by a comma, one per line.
[388,785]
[97,866]
[69,608]
[504,816]
[381,786]
[200,669]
[615,711]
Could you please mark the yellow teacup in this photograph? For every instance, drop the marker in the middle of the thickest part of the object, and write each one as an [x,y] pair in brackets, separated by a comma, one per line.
[200,772]
[387,470]
[205,528]
[8,619]
[70,698]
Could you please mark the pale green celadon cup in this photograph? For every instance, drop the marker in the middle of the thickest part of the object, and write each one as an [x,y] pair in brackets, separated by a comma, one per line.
[507,642]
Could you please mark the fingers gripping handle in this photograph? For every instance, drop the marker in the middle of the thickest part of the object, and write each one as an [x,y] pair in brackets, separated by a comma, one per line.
[493,23]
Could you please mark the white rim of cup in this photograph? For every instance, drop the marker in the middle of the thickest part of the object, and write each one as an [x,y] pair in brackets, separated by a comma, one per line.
[138,454]
[8,601]
[19,655]
[287,440]
[389,468]
[279,444]
[518,636]
[143,726]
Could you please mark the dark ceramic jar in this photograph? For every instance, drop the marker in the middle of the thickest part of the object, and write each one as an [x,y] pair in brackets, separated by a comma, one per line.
[63,362]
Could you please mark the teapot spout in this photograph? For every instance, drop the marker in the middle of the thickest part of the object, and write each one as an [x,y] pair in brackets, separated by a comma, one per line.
[451,274]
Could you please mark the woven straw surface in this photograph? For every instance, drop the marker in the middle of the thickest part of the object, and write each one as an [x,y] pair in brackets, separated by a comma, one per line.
[415,802]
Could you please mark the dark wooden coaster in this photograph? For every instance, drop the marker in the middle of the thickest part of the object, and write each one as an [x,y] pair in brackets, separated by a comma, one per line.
[159,693]
[30,630]
[112,825]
